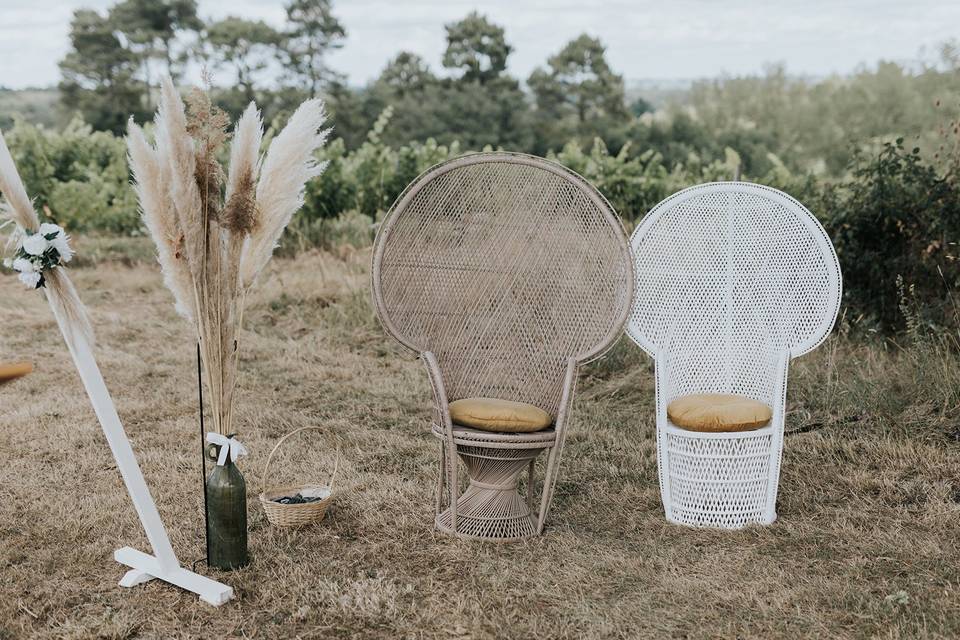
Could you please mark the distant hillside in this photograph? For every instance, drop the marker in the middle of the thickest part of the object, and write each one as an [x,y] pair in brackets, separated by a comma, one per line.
[37,106]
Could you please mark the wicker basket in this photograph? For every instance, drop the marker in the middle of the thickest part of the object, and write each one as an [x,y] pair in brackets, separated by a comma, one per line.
[295,515]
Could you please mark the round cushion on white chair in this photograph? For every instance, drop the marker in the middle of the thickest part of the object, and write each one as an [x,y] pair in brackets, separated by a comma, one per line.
[718,412]
[493,414]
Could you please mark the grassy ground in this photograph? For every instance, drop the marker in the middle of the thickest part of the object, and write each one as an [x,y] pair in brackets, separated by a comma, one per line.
[866,544]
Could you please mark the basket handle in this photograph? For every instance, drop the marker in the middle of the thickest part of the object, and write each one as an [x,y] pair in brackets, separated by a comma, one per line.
[266,467]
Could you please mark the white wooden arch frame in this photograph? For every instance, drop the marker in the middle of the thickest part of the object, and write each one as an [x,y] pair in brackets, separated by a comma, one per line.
[163,564]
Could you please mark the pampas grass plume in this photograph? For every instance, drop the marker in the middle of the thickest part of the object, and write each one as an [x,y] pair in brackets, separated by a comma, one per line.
[227,238]
[160,218]
[175,148]
[288,165]
[239,214]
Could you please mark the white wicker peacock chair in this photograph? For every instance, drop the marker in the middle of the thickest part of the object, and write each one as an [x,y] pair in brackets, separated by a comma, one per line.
[733,281]
[504,272]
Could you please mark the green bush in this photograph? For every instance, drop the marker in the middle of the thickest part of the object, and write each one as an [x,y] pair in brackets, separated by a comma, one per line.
[894,214]
[370,178]
[79,176]
[895,217]
[349,228]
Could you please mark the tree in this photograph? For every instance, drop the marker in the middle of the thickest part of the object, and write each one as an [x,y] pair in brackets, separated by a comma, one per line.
[477,46]
[406,73]
[481,107]
[99,74]
[150,29]
[350,110]
[312,31]
[494,114]
[578,93]
[640,106]
[579,79]
[246,46]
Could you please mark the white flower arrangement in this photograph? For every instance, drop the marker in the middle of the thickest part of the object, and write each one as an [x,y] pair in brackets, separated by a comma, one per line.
[39,252]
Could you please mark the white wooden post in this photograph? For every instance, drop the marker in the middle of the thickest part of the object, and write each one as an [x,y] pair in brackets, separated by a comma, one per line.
[163,565]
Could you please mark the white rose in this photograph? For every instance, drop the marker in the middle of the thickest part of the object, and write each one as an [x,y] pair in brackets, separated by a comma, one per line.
[62,245]
[48,227]
[35,245]
[8,263]
[24,266]
[31,279]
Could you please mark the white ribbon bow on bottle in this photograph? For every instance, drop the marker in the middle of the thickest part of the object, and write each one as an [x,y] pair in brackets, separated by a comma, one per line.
[228,446]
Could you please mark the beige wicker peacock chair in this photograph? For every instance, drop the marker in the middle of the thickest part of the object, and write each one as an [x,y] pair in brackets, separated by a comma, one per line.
[504,272]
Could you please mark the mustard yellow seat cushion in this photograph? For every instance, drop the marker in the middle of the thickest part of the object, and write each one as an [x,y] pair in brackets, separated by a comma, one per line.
[10,372]
[716,412]
[493,414]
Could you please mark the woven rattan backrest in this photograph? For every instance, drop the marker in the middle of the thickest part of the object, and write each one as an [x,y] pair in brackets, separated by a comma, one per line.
[731,276]
[504,266]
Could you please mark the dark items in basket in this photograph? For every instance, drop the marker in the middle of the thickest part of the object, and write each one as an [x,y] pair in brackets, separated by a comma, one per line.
[298,499]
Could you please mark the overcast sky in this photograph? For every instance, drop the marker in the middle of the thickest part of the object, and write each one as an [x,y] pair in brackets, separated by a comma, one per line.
[645,39]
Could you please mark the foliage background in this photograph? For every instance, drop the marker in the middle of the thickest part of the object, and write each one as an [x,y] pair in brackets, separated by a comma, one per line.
[874,153]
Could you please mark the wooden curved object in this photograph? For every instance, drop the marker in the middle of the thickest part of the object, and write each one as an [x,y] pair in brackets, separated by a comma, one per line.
[13,371]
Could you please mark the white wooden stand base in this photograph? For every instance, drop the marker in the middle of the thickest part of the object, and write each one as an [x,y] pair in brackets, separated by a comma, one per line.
[163,564]
[147,567]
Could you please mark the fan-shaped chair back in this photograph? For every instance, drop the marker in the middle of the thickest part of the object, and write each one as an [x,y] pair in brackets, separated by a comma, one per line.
[730,277]
[504,266]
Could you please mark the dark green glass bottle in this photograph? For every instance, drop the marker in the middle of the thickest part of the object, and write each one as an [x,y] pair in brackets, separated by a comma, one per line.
[226,514]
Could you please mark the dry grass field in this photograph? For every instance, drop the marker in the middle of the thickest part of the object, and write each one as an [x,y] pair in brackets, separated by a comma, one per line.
[867,544]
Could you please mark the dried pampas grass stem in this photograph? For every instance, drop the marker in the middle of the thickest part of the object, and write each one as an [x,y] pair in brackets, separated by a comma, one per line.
[216,231]
[18,206]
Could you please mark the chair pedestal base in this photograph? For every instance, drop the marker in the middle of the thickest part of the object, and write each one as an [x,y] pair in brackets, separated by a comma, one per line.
[720,480]
[492,508]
